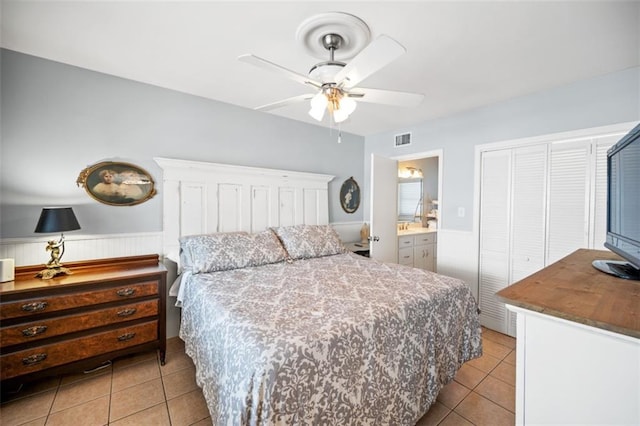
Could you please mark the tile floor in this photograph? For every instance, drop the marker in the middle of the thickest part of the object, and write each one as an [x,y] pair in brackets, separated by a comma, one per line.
[137,391]
[484,390]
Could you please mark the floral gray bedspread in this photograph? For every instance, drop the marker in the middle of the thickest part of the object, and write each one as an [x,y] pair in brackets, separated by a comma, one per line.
[335,340]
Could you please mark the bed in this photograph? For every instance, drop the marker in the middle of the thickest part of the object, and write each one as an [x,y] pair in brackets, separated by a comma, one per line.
[285,326]
[316,335]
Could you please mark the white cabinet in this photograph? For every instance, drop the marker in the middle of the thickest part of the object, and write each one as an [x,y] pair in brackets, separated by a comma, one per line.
[405,250]
[578,346]
[569,373]
[424,251]
[418,250]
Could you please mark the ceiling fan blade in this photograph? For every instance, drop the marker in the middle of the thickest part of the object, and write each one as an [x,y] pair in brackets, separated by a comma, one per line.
[387,97]
[263,63]
[285,102]
[379,53]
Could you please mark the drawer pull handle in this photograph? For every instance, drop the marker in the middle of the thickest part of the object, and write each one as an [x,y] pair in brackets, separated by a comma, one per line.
[125,292]
[34,331]
[34,306]
[127,312]
[126,336]
[34,359]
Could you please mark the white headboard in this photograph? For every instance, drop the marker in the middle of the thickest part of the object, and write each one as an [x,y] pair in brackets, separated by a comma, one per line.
[203,198]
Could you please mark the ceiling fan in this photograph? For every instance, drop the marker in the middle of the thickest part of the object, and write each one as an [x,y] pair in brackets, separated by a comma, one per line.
[335,81]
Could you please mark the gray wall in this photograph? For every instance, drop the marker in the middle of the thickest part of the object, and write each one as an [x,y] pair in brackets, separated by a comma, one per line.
[58,119]
[609,99]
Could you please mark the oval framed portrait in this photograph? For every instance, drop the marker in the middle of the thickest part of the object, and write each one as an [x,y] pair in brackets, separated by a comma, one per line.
[350,195]
[117,183]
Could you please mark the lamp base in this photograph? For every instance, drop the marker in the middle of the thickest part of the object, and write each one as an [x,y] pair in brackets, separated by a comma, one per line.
[47,274]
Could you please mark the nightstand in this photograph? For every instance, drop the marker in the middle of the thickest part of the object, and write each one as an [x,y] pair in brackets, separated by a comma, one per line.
[106,308]
[358,248]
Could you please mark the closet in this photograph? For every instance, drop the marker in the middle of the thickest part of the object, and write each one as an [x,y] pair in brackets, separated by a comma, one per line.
[539,201]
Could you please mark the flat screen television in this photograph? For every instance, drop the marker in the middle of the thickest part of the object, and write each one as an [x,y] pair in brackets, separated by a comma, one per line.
[623,207]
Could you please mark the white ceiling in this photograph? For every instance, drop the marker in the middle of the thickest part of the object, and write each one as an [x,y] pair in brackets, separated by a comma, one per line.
[460,55]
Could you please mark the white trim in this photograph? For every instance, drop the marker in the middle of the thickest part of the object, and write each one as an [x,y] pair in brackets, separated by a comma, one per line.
[171,166]
[561,137]
[583,326]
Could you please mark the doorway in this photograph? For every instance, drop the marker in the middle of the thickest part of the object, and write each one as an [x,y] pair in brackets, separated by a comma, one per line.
[384,188]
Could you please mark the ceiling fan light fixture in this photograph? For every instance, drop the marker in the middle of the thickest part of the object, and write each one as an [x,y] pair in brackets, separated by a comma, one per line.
[348,105]
[325,72]
[318,106]
[343,36]
[339,116]
[345,107]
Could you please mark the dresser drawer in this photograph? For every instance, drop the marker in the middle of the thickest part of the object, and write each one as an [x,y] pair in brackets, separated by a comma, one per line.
[405,241]
[36,330]
[74,300]
[405,256]
[428,238]
[32,360]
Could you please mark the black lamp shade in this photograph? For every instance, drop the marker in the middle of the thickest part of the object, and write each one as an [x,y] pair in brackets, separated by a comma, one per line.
[59,219]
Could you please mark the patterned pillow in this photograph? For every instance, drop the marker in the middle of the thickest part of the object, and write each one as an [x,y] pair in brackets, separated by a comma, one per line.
[229,250]
[307,241]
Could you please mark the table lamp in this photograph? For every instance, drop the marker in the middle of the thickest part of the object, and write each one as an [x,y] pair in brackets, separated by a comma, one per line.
[56,219]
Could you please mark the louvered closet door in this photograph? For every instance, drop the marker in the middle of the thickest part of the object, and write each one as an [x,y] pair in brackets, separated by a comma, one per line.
[568,223]
[528,211]
[598,234]
[537,204]
[512,226]
[528,216]
[495,190]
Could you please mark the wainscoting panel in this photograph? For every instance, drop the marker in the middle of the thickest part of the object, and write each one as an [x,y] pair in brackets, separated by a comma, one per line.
[458,257]
[32,251]
[349,232]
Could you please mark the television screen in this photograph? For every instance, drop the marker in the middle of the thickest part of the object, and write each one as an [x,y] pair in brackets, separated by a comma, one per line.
[623,204]
[624,190]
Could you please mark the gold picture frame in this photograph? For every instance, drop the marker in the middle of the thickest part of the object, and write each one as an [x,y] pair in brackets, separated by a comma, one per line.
[117,183]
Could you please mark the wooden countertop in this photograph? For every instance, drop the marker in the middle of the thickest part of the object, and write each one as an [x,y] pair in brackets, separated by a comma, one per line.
[572,289]
[83,272]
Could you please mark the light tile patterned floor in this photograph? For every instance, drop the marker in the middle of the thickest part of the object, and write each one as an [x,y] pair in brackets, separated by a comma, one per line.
[138,391]
[483,392]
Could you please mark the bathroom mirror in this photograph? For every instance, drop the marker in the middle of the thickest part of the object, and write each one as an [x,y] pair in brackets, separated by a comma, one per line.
[410,199]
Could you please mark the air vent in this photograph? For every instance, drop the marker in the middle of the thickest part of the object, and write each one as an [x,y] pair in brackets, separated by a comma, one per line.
[403,139]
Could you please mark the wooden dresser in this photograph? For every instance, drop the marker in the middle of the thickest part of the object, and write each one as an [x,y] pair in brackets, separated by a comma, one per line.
[578,344]
[105,309]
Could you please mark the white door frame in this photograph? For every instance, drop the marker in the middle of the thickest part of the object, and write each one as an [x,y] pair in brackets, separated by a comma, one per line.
[416,156]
